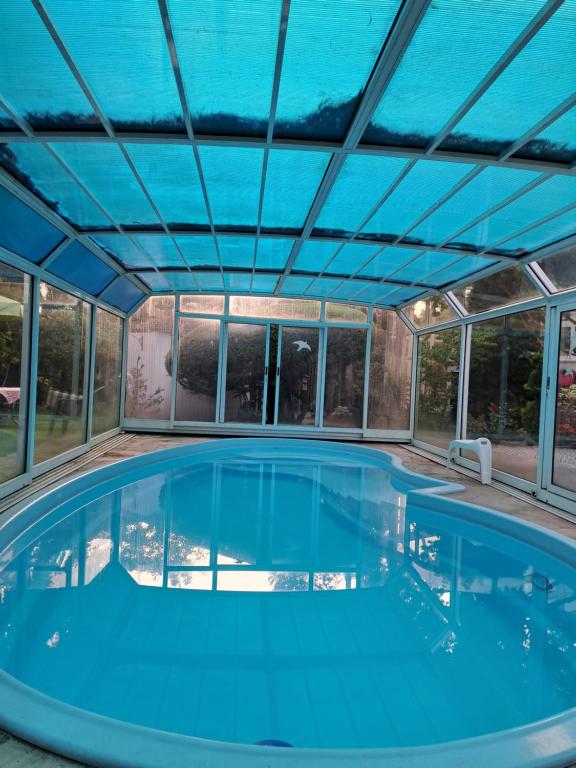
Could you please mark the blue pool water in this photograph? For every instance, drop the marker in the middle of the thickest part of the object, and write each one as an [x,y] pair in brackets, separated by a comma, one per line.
[291,595]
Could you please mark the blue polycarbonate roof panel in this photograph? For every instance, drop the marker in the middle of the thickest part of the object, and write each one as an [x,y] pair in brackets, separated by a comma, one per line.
[540,78]
[459,269]
[120,49]
[108,176]
[314,255]
[123,250]
[388,261]
[416,271]
[550,232]
[35,80]
[198,250]
[170,175]
[490,188]
[331,48]
[157,281]
[322,286]
[348,289]
[160,249]
[122,294]
[207,281]
[35,167]
[82,268]
[264,283]
[351,259]
[423,186]
[25,232]
[454,48]
[545,199]
[227,53]
[292,180]
[556,142]
[295,285]
[273,253]
[239,281]
[232,177]
[237,252]
[6,122]
[361,183]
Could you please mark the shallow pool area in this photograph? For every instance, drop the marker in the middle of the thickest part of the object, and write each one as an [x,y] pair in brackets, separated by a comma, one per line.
[197,601]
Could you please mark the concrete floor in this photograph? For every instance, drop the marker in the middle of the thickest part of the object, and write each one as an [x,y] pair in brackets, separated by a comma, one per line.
[15,753]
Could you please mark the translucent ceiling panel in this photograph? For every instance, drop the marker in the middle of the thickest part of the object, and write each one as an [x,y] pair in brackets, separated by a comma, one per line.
[541,77]
[238,281]
[237,252]
[157,281]
[292,180]
[227,53]
[314,255]
[170,175]
[323,286]
[273,253]
[160,249]
[351,259]
[486,190]
[208,281]
[123,250]
[123,294]
[6,122]
[82,268]
[35,80]
[294,285]
[120,49]
[107,175]
[416,270]
[545,199]
[426,183]
[232,177]
[361,183]
[387,295]
[550,232]
[331,48]
[556,142]
[264,283]
[25,232]
[349,289]
[35,167]
[388,261]
[427,88]
[458,270]
[199,250]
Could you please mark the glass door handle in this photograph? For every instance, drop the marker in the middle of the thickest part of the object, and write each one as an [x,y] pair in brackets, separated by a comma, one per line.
[278,370]
[266,371]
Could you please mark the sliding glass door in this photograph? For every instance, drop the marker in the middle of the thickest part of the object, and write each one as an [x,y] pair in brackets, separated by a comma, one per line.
[246,371]
[298,374]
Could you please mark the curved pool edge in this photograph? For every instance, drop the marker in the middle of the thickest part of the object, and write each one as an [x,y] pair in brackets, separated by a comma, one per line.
[102,741]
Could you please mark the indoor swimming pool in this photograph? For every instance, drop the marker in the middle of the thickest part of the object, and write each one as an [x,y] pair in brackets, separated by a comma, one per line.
[217,601]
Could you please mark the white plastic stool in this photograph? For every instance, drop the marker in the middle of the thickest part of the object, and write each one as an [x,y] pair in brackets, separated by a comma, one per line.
[483,448]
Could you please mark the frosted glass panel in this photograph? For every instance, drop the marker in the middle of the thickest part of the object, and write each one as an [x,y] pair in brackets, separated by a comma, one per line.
[344,388]
[282,309]
[202,305]
[390,372]
[149,365]
[107,372]
[62,373]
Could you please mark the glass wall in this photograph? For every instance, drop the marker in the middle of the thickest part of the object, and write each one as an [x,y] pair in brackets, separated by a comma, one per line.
[14,313]
[390,372]
[298,376]
[564,456]
[197,377]
[107,372]
[245,364]
[344,380]
[437,387]
[149,363]
[504,389]
[62,373]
